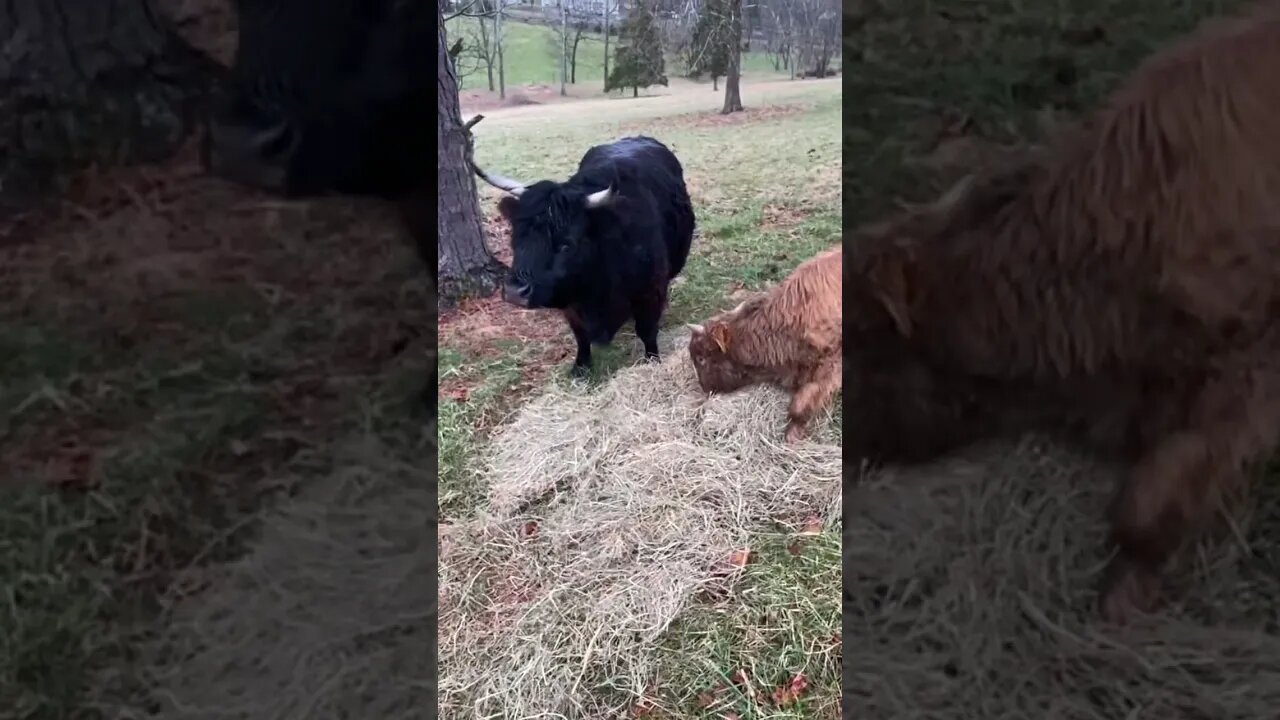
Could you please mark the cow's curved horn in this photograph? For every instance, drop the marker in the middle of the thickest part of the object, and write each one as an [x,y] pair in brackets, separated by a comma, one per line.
[600,198]
[506,184]
[260,140]
[698,329]
[955,194]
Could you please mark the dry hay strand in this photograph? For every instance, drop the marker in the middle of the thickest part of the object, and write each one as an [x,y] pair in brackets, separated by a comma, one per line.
[329,616]
[611,511]
[970,592]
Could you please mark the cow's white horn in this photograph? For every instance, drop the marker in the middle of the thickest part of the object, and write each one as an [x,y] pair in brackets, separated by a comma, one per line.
[600,199]
[506,184]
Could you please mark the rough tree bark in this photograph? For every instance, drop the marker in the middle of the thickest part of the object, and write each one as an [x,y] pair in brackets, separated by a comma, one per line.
[91,81]
[732,93]
[466,267]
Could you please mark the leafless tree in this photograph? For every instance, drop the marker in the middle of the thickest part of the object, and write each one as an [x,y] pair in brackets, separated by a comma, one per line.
[483,42]
[803,36]
[573,23]
[732,90]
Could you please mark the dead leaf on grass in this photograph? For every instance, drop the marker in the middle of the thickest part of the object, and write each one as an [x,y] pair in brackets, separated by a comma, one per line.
[707,698]
[74,467]
[740,558]
[788,694]
[457,393]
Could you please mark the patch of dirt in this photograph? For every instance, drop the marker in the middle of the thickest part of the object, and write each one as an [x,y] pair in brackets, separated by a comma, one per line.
[714,119]
[123,255]
[473,101]
[480,327]
[780,216]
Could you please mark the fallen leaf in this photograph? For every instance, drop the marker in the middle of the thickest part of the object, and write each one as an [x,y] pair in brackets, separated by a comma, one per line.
[741,679]
[795,549]
[788,694]
[740,558]
[73,467]
[458,393]
[529,529]
[707,698]
[812,525]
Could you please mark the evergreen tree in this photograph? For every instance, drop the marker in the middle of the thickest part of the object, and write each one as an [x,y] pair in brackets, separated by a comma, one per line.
[638,61]
[712,43]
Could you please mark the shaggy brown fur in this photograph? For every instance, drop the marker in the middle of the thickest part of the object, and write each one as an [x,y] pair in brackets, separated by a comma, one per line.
[1122,288]
[790,336]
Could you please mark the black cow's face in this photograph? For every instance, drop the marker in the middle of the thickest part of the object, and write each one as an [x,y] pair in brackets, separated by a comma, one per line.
[324,97]
[552,250]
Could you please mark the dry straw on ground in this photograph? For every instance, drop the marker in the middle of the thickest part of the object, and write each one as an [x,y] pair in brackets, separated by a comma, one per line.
[611,510]
[970,593]
[327,618]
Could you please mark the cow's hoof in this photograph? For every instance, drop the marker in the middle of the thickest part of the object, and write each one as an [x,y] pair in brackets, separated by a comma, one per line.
[580,372]
[1128,591]
[652,358]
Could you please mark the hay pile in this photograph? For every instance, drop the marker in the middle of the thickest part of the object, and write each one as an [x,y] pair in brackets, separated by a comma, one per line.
[970,593]
[611,509]
[326,618]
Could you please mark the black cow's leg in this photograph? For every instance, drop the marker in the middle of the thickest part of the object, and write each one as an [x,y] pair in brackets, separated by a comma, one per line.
[581,362]
[647,318]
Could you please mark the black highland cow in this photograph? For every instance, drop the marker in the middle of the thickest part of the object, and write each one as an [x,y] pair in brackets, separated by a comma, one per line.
[603,246]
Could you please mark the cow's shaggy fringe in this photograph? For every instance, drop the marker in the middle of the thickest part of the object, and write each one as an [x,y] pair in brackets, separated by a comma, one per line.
[611,510]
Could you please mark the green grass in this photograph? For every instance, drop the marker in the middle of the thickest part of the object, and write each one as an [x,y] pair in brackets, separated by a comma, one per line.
[139,442]
[782,620]
[145,507]
[531,55]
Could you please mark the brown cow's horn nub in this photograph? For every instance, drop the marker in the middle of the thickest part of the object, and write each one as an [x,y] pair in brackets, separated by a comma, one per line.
[506,184]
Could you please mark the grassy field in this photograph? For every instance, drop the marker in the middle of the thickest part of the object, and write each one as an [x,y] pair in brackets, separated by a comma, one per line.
[765,186]
[532,57]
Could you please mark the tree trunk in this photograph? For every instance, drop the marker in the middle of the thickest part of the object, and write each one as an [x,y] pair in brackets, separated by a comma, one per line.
[635,92]
[715,84]
[732,93]
[487,48]
[498,42]
[466,267]
[91,81]
[573,57]
[606,41]
[564,46]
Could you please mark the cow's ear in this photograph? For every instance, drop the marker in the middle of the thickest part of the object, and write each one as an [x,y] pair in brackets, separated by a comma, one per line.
[720,335]
[507,205]
[893,280]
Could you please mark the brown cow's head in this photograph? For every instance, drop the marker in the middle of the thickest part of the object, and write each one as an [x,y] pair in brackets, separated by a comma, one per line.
[712,348]
[907,397]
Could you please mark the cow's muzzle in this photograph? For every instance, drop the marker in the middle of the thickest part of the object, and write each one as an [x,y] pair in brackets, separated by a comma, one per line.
[251,156]
[517,292]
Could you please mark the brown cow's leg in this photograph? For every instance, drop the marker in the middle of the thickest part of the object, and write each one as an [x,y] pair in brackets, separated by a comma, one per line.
[1234,421]
[812,395]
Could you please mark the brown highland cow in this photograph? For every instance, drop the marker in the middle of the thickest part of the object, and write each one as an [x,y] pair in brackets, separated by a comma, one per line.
[789,336]
[1121,288]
